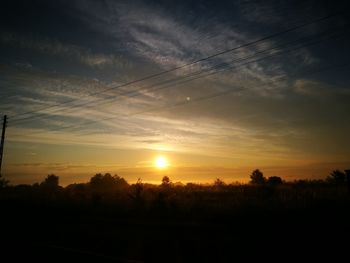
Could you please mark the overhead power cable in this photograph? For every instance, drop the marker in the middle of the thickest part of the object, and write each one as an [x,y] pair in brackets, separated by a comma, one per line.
[207,97]
[177,80]
[248,44]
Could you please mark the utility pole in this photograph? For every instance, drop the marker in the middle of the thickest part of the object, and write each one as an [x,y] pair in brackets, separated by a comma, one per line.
[2,139]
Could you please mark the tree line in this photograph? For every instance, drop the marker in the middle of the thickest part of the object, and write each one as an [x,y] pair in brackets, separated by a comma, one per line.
[108,182]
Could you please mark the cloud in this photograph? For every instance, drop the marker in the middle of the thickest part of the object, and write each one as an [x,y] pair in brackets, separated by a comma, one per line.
[319,89]
[168,41]
[57,48]
[260,119]
[25,65]
[240,126]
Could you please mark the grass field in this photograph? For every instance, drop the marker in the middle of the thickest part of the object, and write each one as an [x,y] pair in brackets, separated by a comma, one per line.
[192,223]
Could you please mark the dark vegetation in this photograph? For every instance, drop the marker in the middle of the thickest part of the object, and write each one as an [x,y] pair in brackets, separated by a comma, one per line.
[109,220]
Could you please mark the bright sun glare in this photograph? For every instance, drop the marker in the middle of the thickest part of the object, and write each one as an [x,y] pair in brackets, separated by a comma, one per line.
[161,162]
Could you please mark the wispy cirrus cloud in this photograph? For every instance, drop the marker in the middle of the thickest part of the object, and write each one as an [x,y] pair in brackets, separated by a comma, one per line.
[57,48]
[167,41]
[317,89]
[244,112]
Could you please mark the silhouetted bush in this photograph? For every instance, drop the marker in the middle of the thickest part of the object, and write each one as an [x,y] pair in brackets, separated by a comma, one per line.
[77,192]
[274,180]
[107,183]
[336,177]
[50,186]
[166,181]
[51,181]
[136,194]
[218,183]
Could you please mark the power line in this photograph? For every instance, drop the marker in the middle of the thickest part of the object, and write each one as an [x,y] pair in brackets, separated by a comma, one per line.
[152,86]
[210,73]
[218,94]
[175,81]
[274,35]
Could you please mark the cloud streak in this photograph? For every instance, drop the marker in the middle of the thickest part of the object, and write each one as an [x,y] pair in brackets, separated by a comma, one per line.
[57,48]
[258,112]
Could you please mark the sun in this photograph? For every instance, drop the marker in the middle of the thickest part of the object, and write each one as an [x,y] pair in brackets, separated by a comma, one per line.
[161,162]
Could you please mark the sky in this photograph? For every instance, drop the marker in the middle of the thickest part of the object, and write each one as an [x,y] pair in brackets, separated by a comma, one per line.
[219,88]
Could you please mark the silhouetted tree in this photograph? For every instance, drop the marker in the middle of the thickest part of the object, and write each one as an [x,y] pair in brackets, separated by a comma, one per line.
[136,194]
[257,177]
[166,181]
[219,183]
[77,191]
[51,182]
[50,186]
[336,177]
[107,182]
[274,180]
[3,182]
[138,187]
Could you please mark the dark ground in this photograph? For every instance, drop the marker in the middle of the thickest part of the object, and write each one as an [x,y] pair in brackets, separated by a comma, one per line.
[55,231]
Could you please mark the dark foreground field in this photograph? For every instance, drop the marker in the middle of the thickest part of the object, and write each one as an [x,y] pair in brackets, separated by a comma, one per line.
[282,223]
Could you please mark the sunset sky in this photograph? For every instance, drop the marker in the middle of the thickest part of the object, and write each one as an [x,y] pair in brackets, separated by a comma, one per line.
[218,88]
